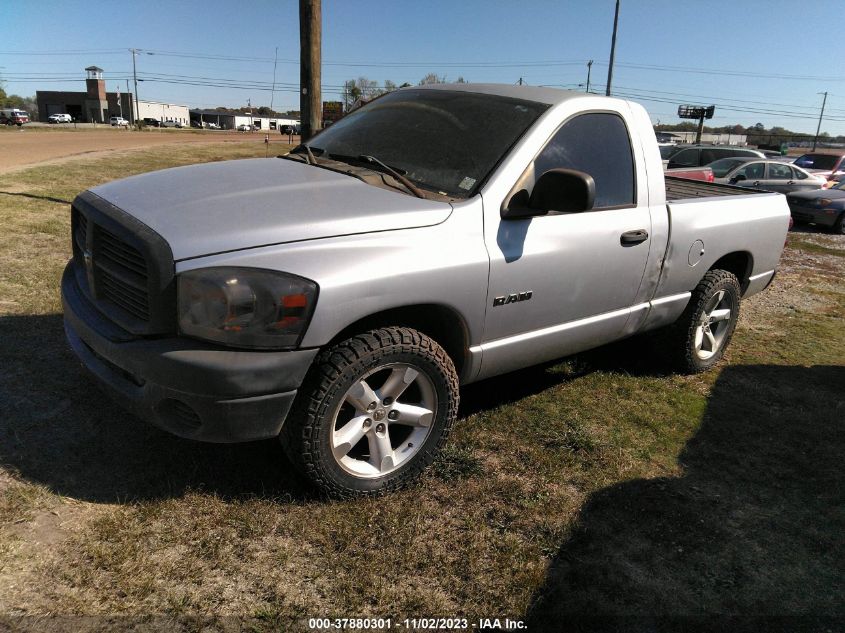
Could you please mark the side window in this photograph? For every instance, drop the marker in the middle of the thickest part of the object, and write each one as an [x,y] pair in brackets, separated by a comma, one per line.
[684,158]
[597,144]
[709,155]
[755,171]
[779,172]
[751,171]
[799,175]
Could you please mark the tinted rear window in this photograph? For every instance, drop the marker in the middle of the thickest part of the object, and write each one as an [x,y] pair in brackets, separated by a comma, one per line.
[817,161]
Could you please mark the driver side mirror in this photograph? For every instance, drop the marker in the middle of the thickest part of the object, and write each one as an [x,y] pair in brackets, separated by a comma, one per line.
[737,178]
[556,191]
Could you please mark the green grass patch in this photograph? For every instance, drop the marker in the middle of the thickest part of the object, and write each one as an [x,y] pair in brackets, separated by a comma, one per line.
[816,249]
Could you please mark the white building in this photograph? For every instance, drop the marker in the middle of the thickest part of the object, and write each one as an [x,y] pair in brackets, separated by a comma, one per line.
[163,112]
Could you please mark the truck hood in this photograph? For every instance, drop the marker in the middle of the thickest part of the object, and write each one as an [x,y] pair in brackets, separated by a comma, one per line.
[233,205]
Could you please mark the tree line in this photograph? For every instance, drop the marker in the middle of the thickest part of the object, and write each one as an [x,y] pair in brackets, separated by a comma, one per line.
[366,89]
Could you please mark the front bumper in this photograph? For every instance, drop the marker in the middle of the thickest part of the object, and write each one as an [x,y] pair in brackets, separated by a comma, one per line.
[192,389]
[814,215]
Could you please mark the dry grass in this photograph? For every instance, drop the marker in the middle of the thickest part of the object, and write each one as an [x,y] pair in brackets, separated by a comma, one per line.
[599,486]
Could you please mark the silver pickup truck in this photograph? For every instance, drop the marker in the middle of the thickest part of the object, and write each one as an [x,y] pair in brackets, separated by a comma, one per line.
[338,296]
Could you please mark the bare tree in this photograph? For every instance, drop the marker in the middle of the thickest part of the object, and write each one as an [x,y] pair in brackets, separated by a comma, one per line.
[433,78]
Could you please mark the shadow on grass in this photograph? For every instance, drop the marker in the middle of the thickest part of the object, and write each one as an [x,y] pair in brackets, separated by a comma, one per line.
[636,356]
[34,197]
[59,429]
[754,527]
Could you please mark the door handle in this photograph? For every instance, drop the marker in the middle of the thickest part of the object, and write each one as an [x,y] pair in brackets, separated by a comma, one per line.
[634,237]
[756,183]
[791,182]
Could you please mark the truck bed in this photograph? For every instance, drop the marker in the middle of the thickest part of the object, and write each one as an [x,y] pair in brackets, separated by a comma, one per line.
[684,189]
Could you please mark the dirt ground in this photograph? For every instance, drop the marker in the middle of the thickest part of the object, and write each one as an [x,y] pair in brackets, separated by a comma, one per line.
[24,148]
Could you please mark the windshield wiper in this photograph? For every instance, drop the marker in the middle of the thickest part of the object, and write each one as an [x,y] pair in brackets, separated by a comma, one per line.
[414,190]
[308,153]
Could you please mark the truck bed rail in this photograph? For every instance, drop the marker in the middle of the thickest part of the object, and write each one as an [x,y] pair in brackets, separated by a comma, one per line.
[683,189]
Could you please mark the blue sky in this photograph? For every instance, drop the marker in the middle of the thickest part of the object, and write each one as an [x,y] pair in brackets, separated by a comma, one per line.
[748,57]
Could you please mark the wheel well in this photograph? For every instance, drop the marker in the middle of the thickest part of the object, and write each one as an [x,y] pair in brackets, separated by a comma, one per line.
[439,322]
[739,263]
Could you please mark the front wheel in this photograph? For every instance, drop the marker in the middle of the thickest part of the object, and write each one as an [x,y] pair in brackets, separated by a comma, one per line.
[839,226]
[702,333]
[373,413]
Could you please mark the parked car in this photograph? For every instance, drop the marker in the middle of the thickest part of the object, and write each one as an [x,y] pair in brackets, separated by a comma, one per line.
[171,123]
[119,121]
[830,166]
[59,118]
[245,127]
[13,116]
[825,207]
[336,297]
[213,126]
[150,122]
[700,155]
[691,173]
[770,175]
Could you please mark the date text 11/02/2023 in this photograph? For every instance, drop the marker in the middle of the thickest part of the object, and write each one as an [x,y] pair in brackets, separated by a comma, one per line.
[418,624]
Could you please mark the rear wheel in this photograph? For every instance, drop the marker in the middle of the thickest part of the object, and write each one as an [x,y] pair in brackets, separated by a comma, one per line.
[700,336]
[373,413]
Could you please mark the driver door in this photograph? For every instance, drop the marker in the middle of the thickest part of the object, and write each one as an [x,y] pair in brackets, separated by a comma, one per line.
[581,278]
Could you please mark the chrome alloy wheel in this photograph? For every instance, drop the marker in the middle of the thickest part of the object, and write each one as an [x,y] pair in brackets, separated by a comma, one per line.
[376,430]
[713,325]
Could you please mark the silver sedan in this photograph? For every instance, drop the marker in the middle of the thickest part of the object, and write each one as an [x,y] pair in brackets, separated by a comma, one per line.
[770,175]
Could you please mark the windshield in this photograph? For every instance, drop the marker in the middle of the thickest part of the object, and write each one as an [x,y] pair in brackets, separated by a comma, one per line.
[441,140]
[817,161]
[722,166]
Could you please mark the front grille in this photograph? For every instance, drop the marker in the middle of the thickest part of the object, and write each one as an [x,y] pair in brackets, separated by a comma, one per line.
[79,235]
[123,267]
[113,249]
[120,273]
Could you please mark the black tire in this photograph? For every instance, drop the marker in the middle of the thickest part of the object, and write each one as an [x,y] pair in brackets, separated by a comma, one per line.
[839,226]
[692,350]
[332,399]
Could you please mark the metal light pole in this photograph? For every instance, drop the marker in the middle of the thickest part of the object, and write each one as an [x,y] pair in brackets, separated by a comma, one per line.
[589,70]
[821,114]
[136,51]
[612,50]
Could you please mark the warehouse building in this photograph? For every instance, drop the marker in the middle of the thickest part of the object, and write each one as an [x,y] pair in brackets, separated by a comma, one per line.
[164,112]
[227,120]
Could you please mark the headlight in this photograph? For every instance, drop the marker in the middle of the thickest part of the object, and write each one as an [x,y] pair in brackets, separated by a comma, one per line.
[245,307]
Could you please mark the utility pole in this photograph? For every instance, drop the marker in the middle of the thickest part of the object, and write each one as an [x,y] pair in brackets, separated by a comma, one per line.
[520,81]
[612,50]
[135,79]
[273,91]
[589,70]
[310,21]
[819,128]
